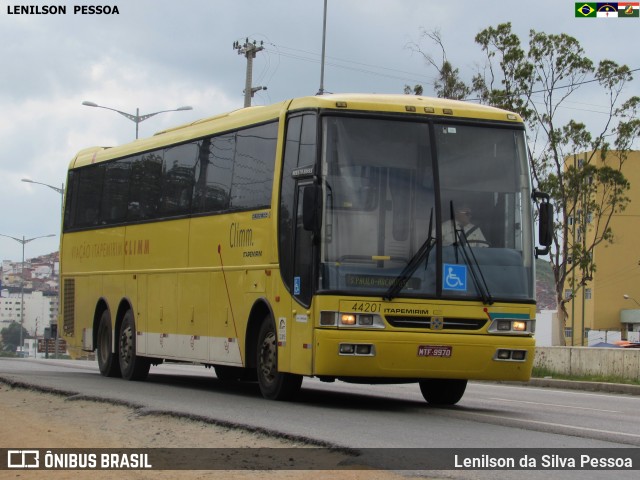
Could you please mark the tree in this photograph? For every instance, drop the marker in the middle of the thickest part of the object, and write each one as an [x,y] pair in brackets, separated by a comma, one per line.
[448,83]
[11,336]
[587,189]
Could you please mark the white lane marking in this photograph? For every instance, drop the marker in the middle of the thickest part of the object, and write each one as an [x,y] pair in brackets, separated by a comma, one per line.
[555,405]
[551,424]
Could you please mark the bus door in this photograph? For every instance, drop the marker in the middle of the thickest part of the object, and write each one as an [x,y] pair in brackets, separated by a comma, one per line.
[300,331]
[297,244]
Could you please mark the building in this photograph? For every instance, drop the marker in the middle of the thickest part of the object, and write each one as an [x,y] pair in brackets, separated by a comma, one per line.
[40,309]
[611,301]
[37,282]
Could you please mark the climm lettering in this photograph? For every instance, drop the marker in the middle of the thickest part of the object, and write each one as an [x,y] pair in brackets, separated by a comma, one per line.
[136,247]
[240,237]
[36,9]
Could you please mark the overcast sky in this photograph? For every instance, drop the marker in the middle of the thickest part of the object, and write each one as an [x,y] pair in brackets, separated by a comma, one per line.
[163,54]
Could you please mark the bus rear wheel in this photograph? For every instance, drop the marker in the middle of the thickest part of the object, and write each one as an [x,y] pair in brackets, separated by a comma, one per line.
[132,366]
[442,391]
[274,385]
[107,359]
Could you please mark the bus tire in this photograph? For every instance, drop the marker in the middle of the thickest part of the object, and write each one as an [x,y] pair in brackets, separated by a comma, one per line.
[132,366]
[107,359]
[274,385]
[442,391]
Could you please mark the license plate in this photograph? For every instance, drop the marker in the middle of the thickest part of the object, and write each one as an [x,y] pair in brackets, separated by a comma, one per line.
[435,351]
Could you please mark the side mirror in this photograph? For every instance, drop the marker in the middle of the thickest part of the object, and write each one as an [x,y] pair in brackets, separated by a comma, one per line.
[545,223]
[312,208]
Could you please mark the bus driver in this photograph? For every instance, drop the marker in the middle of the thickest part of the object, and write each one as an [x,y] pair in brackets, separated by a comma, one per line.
[472,232]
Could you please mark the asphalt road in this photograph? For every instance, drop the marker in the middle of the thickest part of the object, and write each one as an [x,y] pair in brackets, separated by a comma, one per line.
[490,415]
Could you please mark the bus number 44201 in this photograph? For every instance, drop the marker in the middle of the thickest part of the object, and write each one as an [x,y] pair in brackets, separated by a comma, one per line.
[434,351]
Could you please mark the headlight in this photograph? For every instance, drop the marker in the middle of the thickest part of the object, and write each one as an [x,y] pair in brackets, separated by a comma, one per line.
[350,320]
[519,326]
[512,326]
[347,319]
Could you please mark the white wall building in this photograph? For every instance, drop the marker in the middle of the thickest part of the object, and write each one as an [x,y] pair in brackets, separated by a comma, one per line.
[42,271]
[547,333]
[39,310]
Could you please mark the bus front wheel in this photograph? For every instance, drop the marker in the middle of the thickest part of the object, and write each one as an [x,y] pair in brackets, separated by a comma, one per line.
[274,385]
[107,360]
[132,366]
[441,391]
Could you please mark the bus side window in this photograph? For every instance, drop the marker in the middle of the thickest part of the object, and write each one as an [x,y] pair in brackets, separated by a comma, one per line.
[178,179]
[70,202]
[211,193]
[214,170]
[255,156]
[89,198]
[116,191]
[145,188]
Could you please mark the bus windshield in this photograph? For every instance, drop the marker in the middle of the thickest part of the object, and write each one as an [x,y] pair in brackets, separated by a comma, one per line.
[454,197]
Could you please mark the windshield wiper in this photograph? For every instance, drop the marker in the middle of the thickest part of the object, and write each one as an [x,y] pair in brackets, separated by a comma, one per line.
[468,255]
[423,252]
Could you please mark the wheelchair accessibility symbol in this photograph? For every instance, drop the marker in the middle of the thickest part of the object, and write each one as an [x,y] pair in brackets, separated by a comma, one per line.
[454,277]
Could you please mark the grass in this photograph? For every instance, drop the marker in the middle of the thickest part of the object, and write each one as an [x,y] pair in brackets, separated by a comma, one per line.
[545,373]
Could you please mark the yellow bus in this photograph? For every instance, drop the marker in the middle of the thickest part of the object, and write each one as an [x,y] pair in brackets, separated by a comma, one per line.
[363,238]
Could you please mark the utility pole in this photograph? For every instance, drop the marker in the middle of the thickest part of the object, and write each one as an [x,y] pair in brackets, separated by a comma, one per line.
[249,50]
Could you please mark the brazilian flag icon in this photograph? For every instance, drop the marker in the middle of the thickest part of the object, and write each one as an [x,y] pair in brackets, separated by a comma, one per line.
[586,10]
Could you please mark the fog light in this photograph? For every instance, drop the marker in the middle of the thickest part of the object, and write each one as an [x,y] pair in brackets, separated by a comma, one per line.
[348,319]
[504,354]
[347,349]
[519,355]
[363,349]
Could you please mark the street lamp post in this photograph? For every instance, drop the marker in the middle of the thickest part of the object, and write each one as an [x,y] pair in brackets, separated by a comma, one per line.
[324,41]
[60,190]
[23,241]
[137,118]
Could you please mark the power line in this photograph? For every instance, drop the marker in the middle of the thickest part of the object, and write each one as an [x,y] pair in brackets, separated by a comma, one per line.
[371,69]
[571,85]
[350,62]
[345,64]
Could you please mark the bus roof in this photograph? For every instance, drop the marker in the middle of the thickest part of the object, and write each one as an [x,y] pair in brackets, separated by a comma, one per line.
[396,103]
[399,103]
